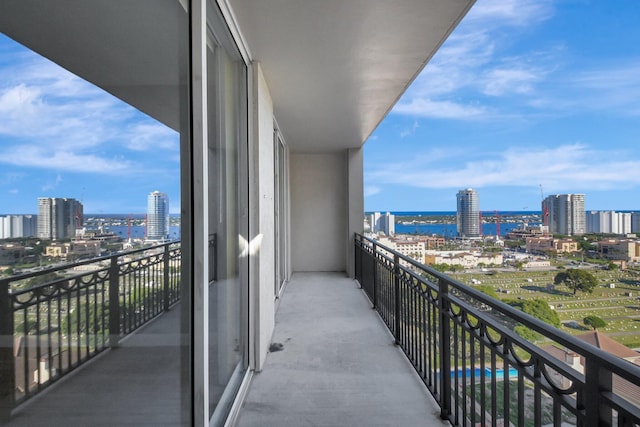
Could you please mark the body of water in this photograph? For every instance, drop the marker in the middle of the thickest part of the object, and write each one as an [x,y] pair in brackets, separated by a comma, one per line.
[449,230]
[513,372]
[138,231]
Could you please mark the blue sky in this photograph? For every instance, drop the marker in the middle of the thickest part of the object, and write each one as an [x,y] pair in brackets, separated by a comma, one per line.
[524,94]
[63,137]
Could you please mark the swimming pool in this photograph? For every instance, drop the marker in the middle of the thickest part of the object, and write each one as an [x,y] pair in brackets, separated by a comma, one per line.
[513,372]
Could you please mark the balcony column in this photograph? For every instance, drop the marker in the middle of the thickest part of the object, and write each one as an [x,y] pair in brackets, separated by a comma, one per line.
[355,201]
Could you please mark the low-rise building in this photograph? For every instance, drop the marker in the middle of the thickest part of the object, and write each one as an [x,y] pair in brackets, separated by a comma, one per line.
[620,249]
[465,259]
[528,231]
[11,254]
[549,244]
[414,247]
[76,248]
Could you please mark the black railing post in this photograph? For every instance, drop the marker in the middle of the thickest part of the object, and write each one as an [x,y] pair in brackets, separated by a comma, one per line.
[114,302]
[7,361]
[445,350]
[597,381]
[374,286]
[396,293]
[166,291]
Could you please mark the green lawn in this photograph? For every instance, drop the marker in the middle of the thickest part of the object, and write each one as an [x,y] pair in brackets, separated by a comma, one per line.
[618,306]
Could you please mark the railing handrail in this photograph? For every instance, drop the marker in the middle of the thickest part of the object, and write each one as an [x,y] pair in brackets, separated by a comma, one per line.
[110,302]
[66,266]
[443,325]
[611,362]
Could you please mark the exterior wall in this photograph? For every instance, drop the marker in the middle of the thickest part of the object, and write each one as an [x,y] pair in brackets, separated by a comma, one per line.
[625,250]
[318,208]
[263,284]
[468,213]
[355,203]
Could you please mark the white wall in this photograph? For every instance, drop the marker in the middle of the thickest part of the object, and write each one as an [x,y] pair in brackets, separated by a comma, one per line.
[263,269]
[319,193]
[355,203]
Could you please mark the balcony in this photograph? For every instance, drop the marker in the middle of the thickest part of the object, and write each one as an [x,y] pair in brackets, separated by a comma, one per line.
[81,329]
[333,360]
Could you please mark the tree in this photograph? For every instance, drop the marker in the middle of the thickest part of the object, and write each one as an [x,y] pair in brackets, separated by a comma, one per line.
[537,308]
[488,290]
[576,280]
[594,321]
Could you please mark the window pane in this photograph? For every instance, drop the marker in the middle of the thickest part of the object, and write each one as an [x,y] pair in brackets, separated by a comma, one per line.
[228,220]
[92,118]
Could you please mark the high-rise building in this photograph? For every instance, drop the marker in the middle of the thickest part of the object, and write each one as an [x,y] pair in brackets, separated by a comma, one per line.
[635,222]
[608,222]
[58,218]
[12,226]
[566,214]
[468,213]
[383,223]
[157,216]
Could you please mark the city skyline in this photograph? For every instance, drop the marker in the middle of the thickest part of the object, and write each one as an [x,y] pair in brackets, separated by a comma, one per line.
[519,103]
[524,99]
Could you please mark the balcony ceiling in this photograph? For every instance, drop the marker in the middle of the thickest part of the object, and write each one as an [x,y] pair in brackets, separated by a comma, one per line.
[334,67]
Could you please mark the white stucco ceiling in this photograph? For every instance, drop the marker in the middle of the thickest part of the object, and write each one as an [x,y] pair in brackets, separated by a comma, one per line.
[334,67]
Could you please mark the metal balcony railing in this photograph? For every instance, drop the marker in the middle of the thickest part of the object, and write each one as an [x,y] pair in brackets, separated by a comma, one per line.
[464,346]
[77,311]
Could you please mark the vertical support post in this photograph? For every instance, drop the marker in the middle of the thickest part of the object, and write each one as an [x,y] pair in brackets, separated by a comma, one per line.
[114,303]
[166,291]
[374,286]
[396,292]
[597,381]
[445,349]
[7,360]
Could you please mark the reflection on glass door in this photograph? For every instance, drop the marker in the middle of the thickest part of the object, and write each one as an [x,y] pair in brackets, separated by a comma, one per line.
[280,212]
[228,219]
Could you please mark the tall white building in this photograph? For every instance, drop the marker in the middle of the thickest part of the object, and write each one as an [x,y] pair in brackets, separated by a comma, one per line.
[157,216]
[12,226]
[468,213]
[383,223]
[609,222]
[566,214]
[58,218]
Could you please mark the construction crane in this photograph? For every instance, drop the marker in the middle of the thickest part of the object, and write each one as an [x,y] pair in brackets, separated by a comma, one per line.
[545,213]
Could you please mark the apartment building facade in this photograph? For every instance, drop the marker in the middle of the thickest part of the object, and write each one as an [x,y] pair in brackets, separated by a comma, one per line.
[566,214]
[468,213]
[609,222]
[14,226]
[59,218]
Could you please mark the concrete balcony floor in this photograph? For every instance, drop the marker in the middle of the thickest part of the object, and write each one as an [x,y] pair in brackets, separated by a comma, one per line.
[135,384]
[338,365]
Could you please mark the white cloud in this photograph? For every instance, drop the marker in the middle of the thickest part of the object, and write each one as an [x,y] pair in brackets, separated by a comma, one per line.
[410,131]
[565,167]
[425,107]
[152,136]
[517,80]
[509,12]
[52,119]
[371,191]
[33,156]
[52,185]
[472,64]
